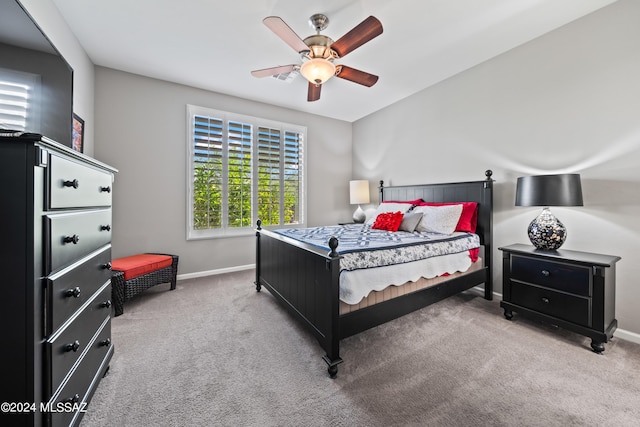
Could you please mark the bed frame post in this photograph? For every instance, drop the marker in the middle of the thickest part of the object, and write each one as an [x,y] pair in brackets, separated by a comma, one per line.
[332,358]
[257,282]
[488,235]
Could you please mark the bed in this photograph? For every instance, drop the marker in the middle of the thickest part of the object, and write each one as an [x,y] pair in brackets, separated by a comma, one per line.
[305,278]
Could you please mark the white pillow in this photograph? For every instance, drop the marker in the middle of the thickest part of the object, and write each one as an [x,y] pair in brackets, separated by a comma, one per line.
[439,219]
[389,207]
[369,213]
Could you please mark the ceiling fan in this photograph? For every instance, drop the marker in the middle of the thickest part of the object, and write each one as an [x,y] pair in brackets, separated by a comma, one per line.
[318,52]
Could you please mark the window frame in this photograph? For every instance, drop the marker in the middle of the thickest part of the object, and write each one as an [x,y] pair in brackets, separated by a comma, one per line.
[255,123]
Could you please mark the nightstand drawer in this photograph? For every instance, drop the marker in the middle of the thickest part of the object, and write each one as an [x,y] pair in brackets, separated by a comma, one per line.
[574,279]
[571,308]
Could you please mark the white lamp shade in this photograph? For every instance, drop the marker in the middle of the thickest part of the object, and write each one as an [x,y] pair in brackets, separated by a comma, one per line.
[359,192]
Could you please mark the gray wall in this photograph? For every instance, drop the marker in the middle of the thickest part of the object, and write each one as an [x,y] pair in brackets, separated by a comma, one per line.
[568,101]
[142,132]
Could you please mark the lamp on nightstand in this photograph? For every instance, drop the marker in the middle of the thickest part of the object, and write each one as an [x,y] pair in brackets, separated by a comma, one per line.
[546,232]
[358,194]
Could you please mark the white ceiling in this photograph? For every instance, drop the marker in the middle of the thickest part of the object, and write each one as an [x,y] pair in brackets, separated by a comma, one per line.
[213,44]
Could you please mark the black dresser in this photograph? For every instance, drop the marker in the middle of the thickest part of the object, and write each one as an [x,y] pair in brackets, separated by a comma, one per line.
[55,260]
[573,290]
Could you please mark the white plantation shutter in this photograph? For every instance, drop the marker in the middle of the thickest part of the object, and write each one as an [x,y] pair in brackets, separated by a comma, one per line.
[207,172]
[242,169]
[292,154]
[269,174]
[239,174]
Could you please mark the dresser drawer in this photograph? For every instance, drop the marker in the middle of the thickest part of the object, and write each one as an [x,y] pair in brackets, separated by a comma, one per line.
[574,279]
[70,236]
[571,308]
[68,290]
[74,185]
[76,389]
[65,348]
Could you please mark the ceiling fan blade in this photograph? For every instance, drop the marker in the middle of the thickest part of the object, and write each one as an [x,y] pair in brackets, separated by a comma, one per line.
[356,76]
[368,29]
[313,93]
[266,72]
[282,30]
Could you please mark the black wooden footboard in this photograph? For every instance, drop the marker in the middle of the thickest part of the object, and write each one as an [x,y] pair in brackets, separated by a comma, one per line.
[305,280]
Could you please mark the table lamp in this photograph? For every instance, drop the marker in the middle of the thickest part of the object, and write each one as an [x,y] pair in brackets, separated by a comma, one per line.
[358,194]
[546,232]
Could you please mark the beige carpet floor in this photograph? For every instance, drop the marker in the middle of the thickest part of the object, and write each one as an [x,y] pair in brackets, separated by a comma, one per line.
[214,352]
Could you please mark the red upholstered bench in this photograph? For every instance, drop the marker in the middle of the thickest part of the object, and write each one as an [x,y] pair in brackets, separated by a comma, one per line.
[136,273]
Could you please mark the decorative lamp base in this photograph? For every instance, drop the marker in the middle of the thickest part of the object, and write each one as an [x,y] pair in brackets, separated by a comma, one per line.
[358,215]
[546,232]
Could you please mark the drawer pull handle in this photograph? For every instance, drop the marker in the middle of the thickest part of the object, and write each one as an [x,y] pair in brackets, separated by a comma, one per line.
[71,239]
[75,292]
[106,266]
[545,273]
[74,183]
[74,399]
[105,189]
[73,346]
[545,300]
[105,343]
[106,304]
[105,227]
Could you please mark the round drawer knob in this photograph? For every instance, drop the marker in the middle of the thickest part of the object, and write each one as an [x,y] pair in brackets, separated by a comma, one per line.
[74,346]
[545,273]
[545,300]
[106,266]
[74,183]
[105,227]
[75,292]
[106,343]
[71,239]
[74,399]
[106,304]
[105,189]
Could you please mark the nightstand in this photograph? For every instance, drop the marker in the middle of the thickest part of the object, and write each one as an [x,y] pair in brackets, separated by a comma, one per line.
[573,290]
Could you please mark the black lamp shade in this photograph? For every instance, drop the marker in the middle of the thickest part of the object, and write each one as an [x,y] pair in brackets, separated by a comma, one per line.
[549,190]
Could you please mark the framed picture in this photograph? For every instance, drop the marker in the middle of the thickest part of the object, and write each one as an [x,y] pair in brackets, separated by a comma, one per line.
[77,133]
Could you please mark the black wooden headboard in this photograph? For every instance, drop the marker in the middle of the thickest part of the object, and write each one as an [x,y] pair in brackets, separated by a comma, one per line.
[480,192]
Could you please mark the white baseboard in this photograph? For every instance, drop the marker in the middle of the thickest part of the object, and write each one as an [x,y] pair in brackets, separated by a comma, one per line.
[214,272]
[627,335]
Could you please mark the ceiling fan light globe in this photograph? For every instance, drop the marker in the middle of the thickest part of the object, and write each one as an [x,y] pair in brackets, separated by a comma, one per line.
[318,70]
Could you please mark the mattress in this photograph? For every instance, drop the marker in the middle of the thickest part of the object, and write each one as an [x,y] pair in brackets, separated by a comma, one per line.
[372,259]
[363,247]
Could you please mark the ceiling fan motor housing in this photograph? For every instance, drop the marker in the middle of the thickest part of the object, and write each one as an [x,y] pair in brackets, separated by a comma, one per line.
[320,47]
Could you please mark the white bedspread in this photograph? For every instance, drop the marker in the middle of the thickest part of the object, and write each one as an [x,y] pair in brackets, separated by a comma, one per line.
[357,284]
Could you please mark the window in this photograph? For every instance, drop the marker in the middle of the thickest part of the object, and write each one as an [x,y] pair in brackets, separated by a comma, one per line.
[241,169]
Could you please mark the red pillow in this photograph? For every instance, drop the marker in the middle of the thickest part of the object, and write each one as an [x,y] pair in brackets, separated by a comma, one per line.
[468,218]
[389,221]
